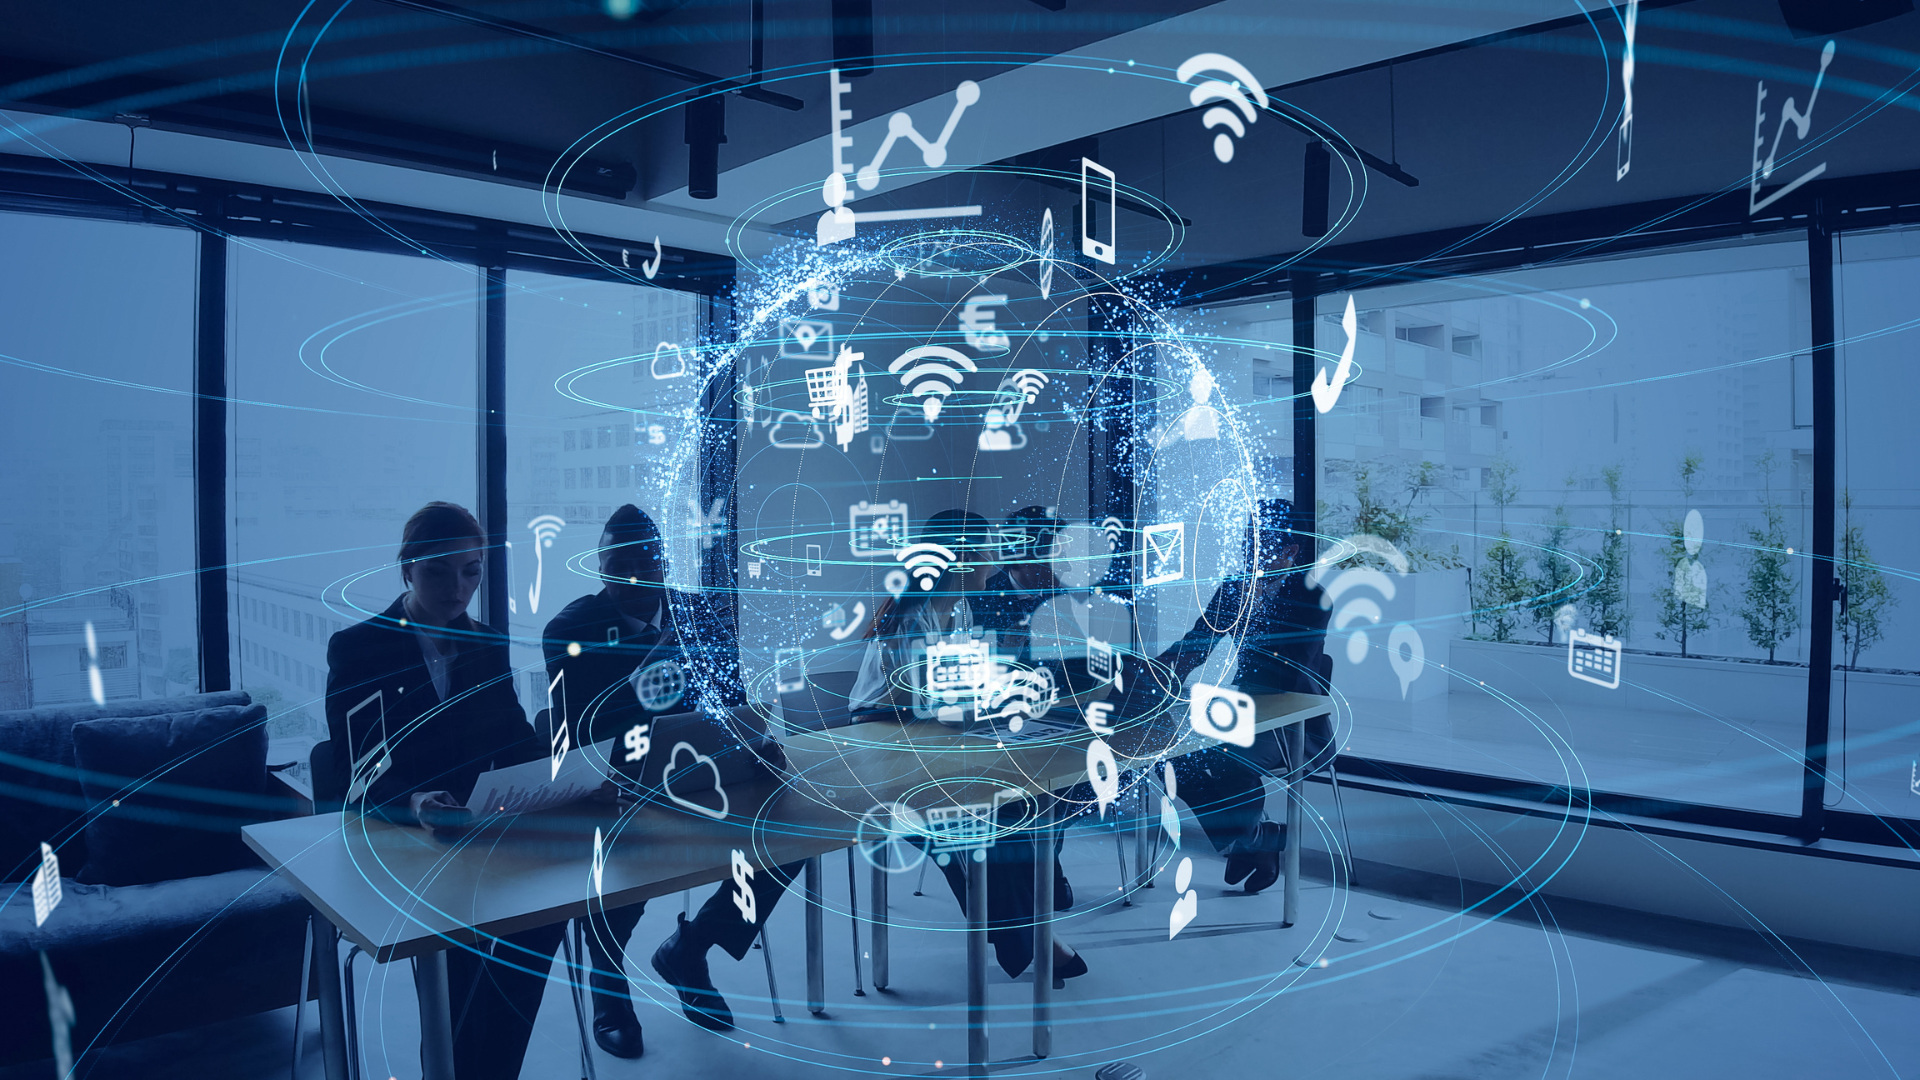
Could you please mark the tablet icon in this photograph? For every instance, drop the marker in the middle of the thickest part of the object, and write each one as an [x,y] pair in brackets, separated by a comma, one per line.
[1166,552]
[560,739]
[373,764]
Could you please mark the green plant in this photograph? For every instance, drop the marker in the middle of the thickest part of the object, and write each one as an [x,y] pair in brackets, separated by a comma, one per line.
[1501,586]
[1769,604]
[1386,503]
[1683,597]
[1606,601]
[1548,592]
[1868,597]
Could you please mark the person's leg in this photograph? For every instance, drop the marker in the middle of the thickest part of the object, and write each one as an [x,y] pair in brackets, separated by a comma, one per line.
[681,960]
[1010,898]
[615,1027]
[1225,790]
[494,999]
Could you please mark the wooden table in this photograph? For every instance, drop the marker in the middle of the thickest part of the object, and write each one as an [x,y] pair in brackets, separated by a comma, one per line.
[398,893]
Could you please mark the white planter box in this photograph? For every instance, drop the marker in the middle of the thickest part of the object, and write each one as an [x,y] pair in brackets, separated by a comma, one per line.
[1432,603]
[1537,675]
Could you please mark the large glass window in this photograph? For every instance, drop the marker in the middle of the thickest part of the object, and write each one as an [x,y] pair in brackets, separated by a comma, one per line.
[1596,476]
[1876,682]
[96,497]
[356,384]
[602,384]
[1209,444]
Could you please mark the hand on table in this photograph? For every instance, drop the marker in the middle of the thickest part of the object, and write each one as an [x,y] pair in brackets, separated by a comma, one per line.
[437,810]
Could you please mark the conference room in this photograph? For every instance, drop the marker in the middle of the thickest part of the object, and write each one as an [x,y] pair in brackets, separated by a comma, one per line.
[712,538]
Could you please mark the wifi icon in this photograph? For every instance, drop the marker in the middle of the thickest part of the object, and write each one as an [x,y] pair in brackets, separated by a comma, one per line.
[545,528]
[1030,382]
[926,562]
[1233,93]
[1116,532]
[925,376]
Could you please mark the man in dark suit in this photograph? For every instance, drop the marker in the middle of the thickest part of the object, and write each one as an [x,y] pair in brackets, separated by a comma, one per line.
[1282,630]
[616,650]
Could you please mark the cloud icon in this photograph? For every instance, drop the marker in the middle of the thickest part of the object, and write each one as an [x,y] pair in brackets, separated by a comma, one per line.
[808,440]
[909,425]
[699,759]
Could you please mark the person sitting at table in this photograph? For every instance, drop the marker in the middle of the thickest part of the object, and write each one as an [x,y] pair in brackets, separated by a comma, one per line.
[942,610]
[1282,640]
[420,702]
[1024,584]
[600,644]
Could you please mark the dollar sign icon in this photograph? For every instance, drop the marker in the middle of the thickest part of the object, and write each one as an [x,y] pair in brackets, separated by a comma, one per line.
[742,872]
[637,742]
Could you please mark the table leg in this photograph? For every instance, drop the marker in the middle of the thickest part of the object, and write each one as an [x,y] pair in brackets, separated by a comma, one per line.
[816,944]
[976,962]
[333,1027]
[1296,736]
[879,933]
[436,1019]
[1143,874]
[1043,873]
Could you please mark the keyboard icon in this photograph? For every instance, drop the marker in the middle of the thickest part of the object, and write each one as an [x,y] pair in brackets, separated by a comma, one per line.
[1594,658]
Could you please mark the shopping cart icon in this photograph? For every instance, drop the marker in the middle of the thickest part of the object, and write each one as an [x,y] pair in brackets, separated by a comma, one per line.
[953,829]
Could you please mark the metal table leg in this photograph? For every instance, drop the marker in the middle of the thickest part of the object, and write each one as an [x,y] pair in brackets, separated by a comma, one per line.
[1143,873]
[436,1020]
[879,932]
[976,962]
[1296,736]
[816,945]
[1043,929]
[853,918]
[333,1028]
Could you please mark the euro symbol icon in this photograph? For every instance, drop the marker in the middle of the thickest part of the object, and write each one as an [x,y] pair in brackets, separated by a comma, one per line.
[1325,393]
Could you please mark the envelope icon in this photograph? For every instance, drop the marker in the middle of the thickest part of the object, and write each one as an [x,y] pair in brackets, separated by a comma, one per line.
[1166,552]
[806,339]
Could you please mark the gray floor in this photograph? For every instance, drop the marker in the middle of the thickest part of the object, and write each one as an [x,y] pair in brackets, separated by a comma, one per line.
[1549,991]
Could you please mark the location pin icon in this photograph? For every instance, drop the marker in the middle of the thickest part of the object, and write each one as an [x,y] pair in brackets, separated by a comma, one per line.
[931,406]
[1414,663]
[896,582]
[1103,773]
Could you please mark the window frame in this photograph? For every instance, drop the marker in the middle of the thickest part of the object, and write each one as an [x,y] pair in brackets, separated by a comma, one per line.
[219,209]
[1823,211]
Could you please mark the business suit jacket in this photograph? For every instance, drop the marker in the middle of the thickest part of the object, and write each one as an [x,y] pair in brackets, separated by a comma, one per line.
[687,629]
[436,745]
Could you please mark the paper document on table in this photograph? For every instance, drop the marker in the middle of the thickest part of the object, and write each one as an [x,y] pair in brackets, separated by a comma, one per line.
[531,785]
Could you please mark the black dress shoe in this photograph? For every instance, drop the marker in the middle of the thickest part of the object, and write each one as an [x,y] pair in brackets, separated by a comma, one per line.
[615,1027]
[681,962]
[1259,864]
[1071,968]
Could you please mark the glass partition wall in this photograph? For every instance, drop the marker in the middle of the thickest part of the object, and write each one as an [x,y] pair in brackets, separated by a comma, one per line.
[1599,484]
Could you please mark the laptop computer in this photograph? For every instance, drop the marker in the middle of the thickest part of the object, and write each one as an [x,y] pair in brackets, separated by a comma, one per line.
[822,703]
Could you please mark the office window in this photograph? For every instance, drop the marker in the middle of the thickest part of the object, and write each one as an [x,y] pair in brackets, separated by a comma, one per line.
[1708,639]
[1876,681]
[356,379]
[96,496]
[557,326]
[1232,342]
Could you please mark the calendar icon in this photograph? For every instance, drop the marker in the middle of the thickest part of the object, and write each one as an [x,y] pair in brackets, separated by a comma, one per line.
[1593,658]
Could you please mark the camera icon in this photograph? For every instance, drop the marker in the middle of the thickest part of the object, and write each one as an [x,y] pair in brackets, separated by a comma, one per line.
[1221,712]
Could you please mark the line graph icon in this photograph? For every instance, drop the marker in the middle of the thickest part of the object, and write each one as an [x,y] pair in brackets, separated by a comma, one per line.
[925,375]
[545,528]
[900,126]
[1232,93]
[1801,121]
[840,221]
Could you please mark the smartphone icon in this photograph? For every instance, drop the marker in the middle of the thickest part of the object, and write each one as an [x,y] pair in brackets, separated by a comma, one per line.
[1090,247]
[789,671]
